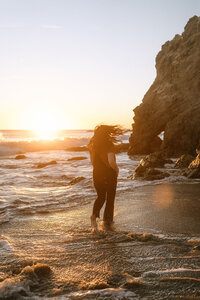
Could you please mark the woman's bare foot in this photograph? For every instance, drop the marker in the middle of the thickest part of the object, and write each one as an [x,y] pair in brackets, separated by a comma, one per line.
[93,223]
[108,226]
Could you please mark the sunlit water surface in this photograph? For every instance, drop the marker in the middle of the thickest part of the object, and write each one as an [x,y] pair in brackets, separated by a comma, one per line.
[45,201]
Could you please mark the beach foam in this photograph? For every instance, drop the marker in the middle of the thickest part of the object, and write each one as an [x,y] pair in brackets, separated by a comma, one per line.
[20,286]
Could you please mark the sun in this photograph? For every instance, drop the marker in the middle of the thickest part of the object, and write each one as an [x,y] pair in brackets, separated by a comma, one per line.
[45,125]
[46,121]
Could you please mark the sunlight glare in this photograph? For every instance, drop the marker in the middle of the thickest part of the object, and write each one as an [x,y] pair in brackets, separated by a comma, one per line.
[45,126]
[45,121]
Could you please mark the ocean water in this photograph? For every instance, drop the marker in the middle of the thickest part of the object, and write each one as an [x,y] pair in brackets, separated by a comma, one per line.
[26,188]
[36,195]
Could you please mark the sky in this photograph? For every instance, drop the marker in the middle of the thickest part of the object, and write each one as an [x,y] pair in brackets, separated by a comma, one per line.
[78,63]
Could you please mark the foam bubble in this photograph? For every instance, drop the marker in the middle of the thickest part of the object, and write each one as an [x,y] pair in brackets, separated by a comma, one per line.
[17,286]
[4,245]
[109,293]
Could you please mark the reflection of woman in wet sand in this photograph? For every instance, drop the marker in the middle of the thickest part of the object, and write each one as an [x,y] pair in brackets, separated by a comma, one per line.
[105,171]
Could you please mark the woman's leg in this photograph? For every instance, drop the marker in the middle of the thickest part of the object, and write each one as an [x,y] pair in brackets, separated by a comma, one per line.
[101,197]
[111,192]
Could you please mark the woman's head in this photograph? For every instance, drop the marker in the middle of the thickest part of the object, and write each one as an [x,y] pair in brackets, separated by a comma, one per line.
[107,132]
[105,135]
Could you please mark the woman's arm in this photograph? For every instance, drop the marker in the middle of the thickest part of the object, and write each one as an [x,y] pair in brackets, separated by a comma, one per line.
[91,152]
[112,162]
[91,158]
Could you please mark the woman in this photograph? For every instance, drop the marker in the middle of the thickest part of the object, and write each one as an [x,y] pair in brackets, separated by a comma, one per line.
[105,171]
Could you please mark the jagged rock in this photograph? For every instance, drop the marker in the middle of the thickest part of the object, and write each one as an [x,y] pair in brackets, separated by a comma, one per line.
[184,161]
[195,164]
[148,174]
[154,160]
[20,156]
[153,174]
[146,170]
[139,171]
[172,104]
[194,168]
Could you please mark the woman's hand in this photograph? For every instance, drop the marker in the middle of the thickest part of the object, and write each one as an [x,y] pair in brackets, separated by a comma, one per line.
[112,162]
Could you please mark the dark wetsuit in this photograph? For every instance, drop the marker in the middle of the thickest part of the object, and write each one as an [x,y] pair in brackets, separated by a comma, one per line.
[105,183]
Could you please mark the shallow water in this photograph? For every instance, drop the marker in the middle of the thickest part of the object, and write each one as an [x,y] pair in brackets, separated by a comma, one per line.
[109,265]
[44,219]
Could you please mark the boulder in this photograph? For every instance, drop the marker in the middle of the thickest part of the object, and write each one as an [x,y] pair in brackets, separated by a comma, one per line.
[146,168]
[154,160]
[172,103]
[153,174]
[184,161]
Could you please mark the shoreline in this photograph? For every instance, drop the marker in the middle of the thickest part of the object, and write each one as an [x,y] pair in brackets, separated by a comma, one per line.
[133,259]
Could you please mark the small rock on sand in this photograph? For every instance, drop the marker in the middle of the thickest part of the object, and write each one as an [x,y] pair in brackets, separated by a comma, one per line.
[20,156]
[77,158]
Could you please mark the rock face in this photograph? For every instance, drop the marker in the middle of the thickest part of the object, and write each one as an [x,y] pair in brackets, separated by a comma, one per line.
[172,104]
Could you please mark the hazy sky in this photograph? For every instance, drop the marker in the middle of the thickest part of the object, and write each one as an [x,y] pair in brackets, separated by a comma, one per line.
[77,63]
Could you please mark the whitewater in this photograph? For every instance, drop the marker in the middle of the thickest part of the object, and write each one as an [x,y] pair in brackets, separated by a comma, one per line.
[47,250]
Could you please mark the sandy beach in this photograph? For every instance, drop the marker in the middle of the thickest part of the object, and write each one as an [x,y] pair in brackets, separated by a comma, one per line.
[152,254]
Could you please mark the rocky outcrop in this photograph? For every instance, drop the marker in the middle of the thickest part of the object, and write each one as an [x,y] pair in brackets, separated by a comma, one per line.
[146,168]
[154,160]
[149,174]
[184,161]
[172,104]
[192,169]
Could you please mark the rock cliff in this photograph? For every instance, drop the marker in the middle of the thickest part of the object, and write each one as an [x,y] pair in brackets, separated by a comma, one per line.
[172,104]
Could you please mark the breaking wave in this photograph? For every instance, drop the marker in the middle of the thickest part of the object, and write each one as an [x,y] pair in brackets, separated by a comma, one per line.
[10,148]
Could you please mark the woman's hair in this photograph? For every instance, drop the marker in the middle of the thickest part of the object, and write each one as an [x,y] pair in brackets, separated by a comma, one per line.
[105,136]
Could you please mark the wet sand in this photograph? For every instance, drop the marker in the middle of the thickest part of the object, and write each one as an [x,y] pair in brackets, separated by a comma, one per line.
[154,252]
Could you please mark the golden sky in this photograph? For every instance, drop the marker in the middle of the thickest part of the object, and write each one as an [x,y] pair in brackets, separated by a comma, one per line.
[74,64]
